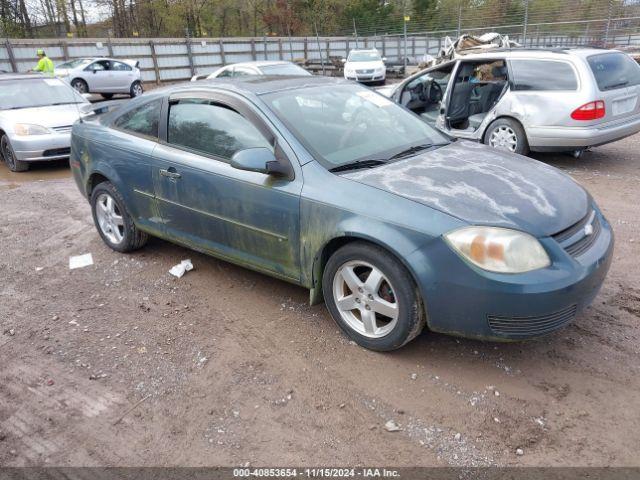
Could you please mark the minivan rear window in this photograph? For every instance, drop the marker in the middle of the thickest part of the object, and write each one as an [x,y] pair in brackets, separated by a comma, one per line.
[543,75]
[614,70]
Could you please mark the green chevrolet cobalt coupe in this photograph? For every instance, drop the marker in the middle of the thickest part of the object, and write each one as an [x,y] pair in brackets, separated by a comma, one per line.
[331,186]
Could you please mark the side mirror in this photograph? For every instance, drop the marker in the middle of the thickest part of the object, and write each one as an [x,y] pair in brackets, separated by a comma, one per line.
[343,60]
[260,159]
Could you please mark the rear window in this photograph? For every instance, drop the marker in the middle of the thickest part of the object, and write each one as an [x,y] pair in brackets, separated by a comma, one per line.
[614,70]
[543,75]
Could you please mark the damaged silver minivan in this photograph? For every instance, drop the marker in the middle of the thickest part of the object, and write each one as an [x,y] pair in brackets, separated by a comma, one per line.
[525,100]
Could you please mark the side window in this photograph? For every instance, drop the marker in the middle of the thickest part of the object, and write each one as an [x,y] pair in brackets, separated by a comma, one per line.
[143,120]
[98,66]
[557,75]
[242,72]
[211,128]
[120,67]
[226,73]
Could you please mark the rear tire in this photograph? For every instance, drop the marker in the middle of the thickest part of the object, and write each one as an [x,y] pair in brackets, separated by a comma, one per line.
[113,221]
[80,86]
[9,156]
[372,297]
[507,134]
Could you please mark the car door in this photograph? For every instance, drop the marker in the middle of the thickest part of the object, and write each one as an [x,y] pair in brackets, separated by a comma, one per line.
[98,76]
[129,147]
[122,76]
[247,217]
[431,103]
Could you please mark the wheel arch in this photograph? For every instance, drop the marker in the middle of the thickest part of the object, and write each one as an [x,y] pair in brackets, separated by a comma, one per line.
[504,117]
[332,245]
[95,179]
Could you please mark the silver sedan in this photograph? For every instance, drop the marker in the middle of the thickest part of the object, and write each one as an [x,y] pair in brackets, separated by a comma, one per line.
[36,115]
[106,76]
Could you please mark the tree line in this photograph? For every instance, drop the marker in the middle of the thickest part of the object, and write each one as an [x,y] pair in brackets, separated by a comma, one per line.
[225,18]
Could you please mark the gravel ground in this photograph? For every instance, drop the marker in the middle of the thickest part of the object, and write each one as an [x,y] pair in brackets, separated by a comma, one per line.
[121,364]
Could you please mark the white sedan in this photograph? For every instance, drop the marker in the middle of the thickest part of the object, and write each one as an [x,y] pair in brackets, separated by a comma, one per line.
[366,66]
[105,76]
[245,69]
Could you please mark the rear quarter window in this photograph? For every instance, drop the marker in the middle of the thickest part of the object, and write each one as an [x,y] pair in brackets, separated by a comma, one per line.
[142,120]
[614,70]
[543,75]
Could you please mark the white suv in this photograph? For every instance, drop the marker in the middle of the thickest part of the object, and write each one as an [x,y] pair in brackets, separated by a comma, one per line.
[366,66]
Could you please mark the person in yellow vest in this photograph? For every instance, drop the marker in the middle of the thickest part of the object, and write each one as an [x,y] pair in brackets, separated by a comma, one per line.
[45,65]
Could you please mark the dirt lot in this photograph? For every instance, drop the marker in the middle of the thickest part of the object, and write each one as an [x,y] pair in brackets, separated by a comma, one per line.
[121,364]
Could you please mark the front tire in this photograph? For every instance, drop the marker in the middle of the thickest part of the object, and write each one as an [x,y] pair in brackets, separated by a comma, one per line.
[113,221]
[372,297]
[136,89]
[9,156]
[507,134]
[80,86]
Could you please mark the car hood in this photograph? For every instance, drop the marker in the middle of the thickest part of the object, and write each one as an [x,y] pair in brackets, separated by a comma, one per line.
[50,116]
[364,65]
[484,186]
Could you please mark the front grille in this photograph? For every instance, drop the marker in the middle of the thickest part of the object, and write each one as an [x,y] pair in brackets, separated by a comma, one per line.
[364,72]
[63,129]
[523,327]
[575,240]
[56,152]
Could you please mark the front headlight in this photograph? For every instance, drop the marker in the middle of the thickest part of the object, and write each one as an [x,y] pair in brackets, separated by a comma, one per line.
[30,129]
[62,75]
[499,249]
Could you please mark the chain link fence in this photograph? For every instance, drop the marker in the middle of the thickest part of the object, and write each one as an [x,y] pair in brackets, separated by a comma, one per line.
[400,38]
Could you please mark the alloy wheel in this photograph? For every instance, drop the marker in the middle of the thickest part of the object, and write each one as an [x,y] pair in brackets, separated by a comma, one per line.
[109,218]
[365,299]
[137,89]
[80,87]
[504,137]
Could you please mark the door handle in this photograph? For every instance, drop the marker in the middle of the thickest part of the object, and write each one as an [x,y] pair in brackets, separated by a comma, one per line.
[170,173]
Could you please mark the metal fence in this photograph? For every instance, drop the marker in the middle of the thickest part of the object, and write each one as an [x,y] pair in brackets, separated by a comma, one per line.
[175,59]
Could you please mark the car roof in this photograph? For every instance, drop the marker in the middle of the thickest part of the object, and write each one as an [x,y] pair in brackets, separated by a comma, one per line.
[363,50]
[550,52]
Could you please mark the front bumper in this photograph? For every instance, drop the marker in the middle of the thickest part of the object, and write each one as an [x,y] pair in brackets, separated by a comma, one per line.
[366,78]
[461,299]
[37,148]
[559,138]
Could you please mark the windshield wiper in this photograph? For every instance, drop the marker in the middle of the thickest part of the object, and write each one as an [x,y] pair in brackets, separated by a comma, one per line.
[415,149]
[369,163]
[616,85]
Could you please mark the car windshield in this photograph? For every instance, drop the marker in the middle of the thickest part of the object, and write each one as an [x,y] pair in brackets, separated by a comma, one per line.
[342,124]
[36,92]
[283,69]
[364,57]
[75,63]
